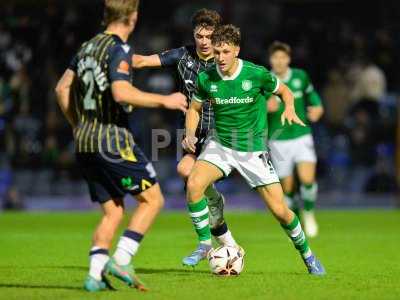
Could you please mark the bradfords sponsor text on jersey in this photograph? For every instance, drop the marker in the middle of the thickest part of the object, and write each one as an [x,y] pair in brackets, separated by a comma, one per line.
[234,100]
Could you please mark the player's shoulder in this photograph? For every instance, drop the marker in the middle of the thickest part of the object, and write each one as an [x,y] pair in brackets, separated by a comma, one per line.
[119,47]
[191,50]
[179,52]
[254,68]
[255,71]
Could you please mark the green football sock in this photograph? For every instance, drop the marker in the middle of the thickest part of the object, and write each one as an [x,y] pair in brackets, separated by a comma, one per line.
[308,193]
[296,234]
[199,213]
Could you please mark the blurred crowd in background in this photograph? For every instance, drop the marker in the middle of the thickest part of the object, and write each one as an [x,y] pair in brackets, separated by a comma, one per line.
[352,56]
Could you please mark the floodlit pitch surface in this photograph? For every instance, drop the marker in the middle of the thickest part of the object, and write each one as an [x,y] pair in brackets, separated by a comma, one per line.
[44,256]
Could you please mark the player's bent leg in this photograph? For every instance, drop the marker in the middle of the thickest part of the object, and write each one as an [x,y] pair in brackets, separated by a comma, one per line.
[185,166]
[219,228]
[113,212]
[274,198]
[288,186]
[202,175]
[150,203]
[215,202]
[308,193]
[215,199]
[287,183]
[282,156]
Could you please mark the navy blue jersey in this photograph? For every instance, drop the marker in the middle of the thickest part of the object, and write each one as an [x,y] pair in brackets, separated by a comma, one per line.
[103,123]
[188,65]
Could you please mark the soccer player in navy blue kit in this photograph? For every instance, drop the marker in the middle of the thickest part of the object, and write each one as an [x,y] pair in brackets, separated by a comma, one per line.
[95,94]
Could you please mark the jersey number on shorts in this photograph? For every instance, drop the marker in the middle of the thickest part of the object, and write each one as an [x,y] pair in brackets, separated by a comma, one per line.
[88,102]
[266,160]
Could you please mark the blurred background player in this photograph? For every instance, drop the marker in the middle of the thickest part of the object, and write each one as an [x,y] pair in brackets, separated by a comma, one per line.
[292,147]
[99,80]
[189,61]
[237,89]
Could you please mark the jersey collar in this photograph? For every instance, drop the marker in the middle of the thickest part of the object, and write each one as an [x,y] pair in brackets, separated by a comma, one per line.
[234,75]
[205,60]
[114,35]
[288,75]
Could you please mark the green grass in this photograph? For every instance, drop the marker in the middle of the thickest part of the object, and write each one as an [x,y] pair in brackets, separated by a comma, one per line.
[44,256]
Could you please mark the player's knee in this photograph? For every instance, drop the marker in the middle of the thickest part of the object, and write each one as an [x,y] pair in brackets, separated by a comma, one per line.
[183,170]
[153,197]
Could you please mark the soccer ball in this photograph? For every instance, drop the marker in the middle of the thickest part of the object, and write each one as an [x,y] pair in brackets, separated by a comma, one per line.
[226,261]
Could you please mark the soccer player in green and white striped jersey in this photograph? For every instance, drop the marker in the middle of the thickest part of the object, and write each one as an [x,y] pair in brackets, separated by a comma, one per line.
[292,147]
[237,89]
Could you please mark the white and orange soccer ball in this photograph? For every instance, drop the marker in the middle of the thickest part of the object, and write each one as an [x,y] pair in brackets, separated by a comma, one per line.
[226,261]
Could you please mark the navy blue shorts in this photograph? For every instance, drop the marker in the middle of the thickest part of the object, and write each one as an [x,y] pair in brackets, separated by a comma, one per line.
[202,137]
[110,176]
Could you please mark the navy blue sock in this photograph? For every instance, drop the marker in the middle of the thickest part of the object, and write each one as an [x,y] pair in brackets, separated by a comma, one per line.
[219,230]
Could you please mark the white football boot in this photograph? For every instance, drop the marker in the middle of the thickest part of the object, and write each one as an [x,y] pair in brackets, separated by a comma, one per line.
[310,224]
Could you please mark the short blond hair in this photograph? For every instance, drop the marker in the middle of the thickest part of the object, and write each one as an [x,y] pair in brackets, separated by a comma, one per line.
[228,34]
[119,10]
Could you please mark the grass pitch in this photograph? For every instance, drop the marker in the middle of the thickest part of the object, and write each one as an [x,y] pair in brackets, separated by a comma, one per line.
[44,256]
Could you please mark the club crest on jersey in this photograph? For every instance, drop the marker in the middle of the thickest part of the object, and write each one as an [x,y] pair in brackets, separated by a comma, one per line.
[296,83]
[213,88]
[247,85]
[126,48]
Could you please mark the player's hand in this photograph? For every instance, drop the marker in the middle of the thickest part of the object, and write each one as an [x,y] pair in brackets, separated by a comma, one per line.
[272,104]
[176,101]
[290,115]
[189,143]
[136,60]
[314,113]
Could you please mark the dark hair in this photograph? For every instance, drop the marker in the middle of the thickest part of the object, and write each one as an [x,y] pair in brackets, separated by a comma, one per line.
[229,34]
[206,18]
[119,10]
[279,46]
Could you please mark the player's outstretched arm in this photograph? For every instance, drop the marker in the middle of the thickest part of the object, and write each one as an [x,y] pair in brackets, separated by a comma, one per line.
[125,93]
[191,123]
[289,113]
[146,61]
[167,58]
[63,93]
